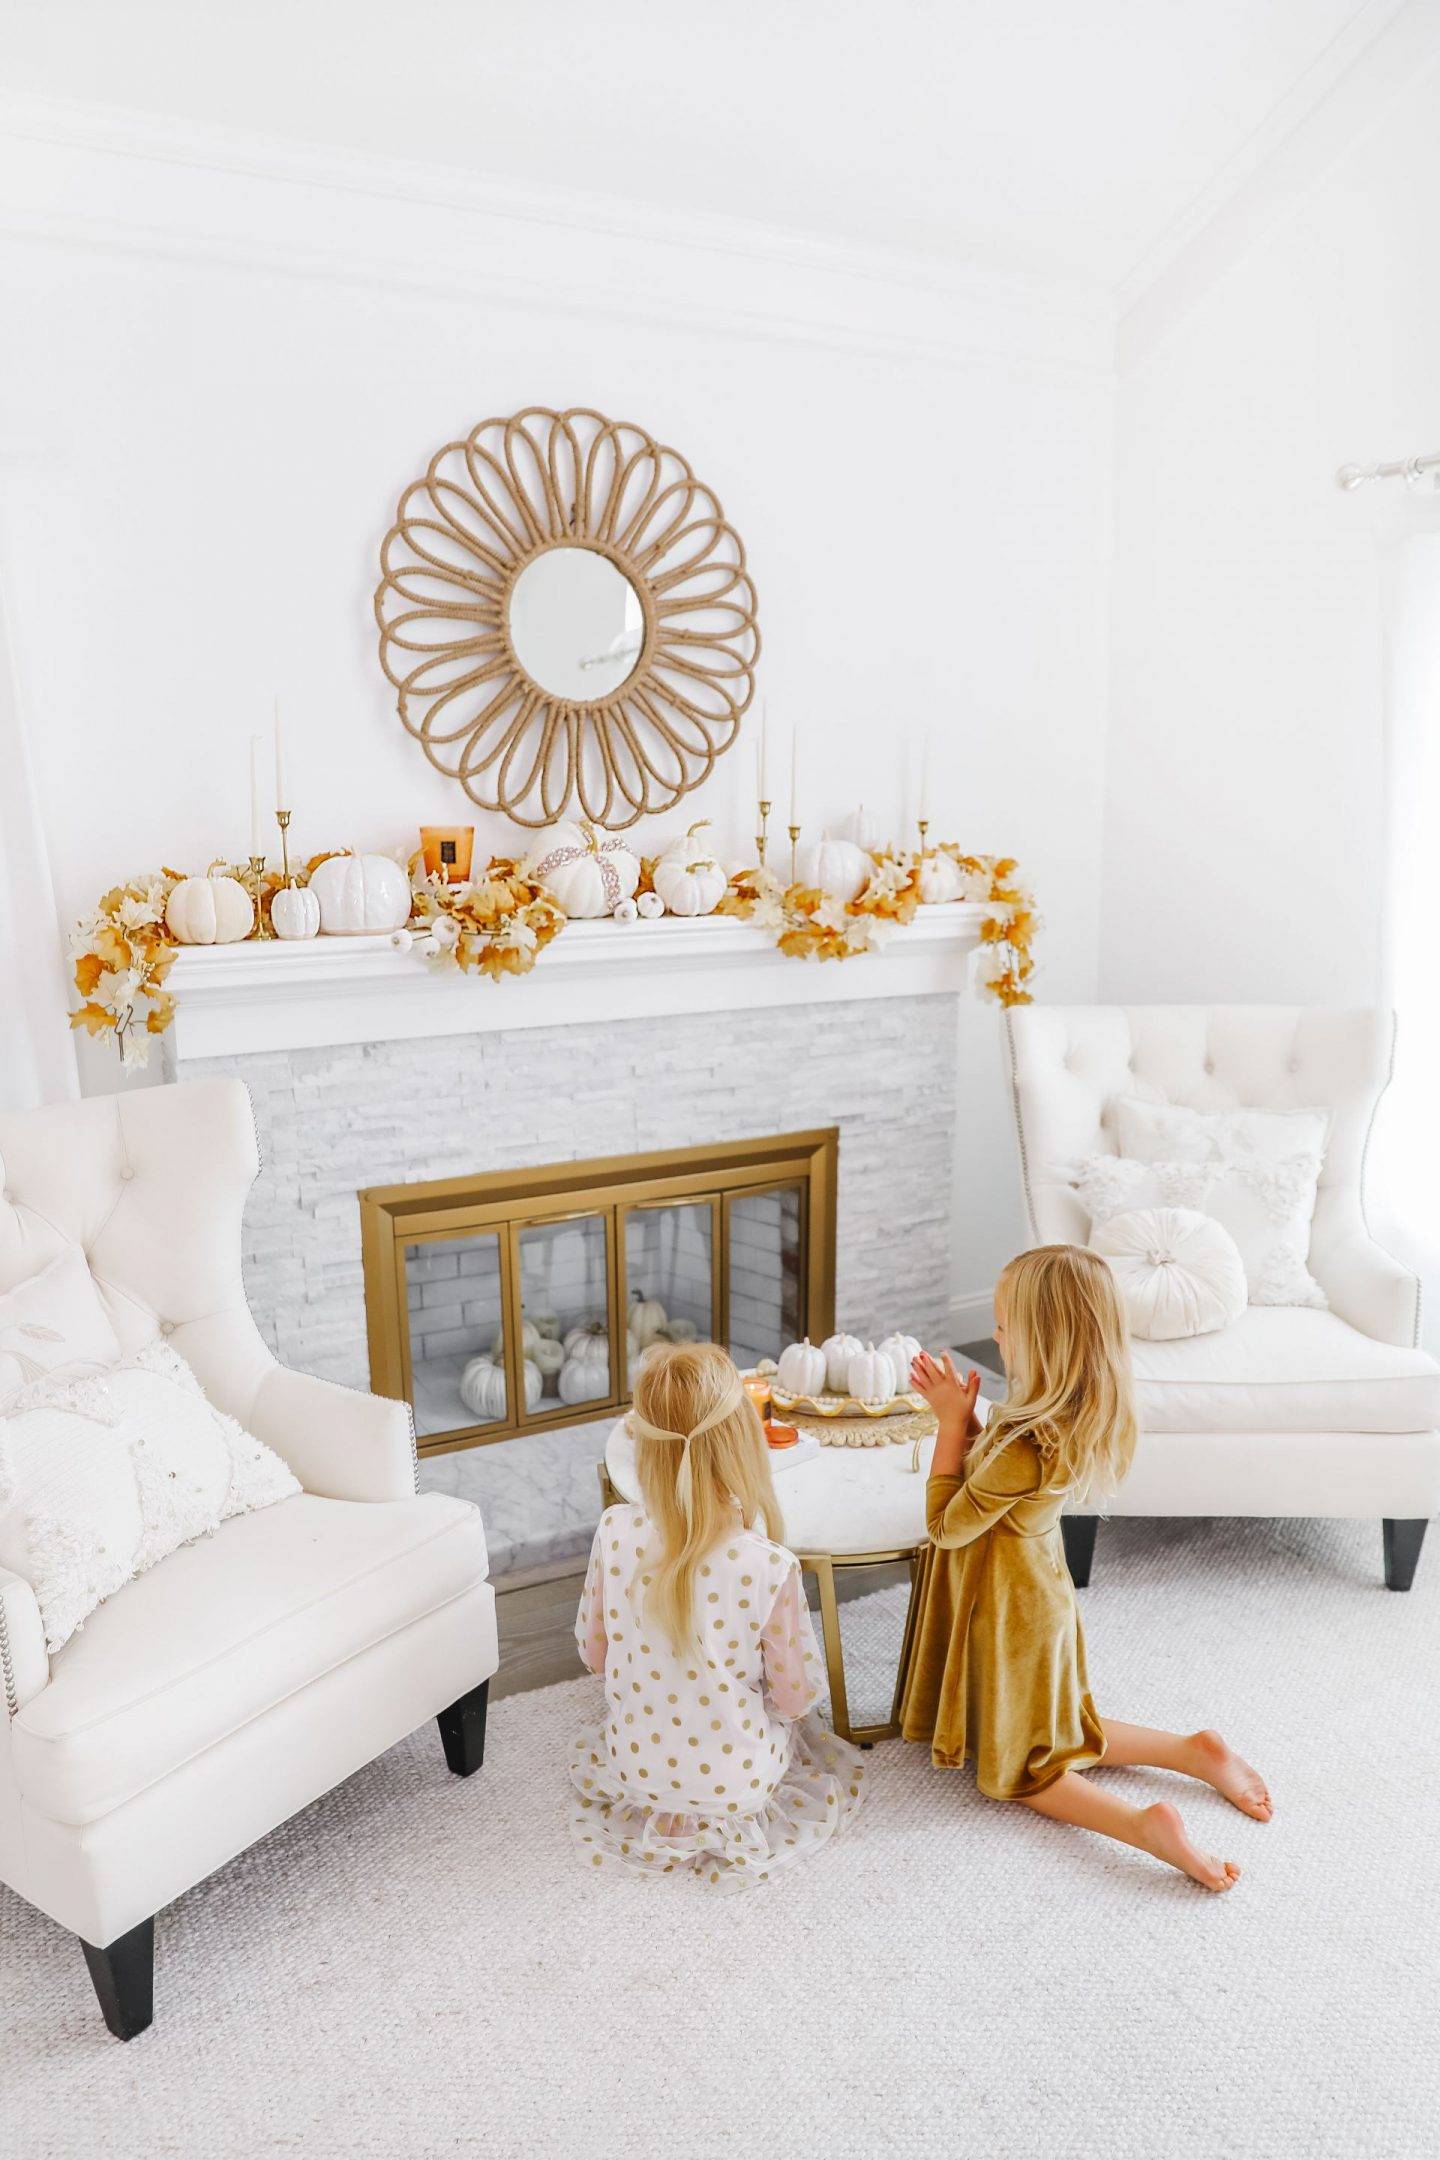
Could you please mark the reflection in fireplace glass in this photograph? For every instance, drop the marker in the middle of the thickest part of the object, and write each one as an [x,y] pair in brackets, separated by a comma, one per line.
[564,1274]
[766,1296]
[452,1288]
[670,1272]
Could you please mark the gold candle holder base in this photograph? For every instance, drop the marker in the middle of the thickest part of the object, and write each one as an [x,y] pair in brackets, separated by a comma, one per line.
[794,832]
[923,826]
[282,819]
[257,879]
[760,836]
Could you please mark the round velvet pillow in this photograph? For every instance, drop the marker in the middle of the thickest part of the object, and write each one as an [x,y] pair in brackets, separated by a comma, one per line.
[1179,1272]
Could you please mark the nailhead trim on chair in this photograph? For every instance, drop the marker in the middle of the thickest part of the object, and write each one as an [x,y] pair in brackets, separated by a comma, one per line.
[1019,1123]
[7,1666]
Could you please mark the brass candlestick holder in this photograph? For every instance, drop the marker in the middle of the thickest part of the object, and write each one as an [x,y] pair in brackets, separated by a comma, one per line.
[760,836]
[257,878]
[282,819]
[794,832]
[923,826]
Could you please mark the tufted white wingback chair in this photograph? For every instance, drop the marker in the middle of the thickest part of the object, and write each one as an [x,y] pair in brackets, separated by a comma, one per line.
[1287,1411]
[237,1680]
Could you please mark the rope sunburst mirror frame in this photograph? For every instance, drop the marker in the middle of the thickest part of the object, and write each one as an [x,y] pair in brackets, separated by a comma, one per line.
[487,508]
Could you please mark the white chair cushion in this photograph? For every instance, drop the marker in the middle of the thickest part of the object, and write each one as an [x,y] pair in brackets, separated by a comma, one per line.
[1285,1369]
[220,1632]
[1178,1271]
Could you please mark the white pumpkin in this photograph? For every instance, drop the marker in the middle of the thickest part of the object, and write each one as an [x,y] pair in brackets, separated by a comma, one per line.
[688,874]
[482,1388]
[591,1331]
[839,1349]
[902,1351]
[585,1375]
[585,869]
[209,911]
[682,1331]
[646,1318]
[941,879]
[802,1369]
[546,1324]
[360,895]
[837,867]
[547,1357]
[295,912]
[870,1376]
[862,828]
[529,1340]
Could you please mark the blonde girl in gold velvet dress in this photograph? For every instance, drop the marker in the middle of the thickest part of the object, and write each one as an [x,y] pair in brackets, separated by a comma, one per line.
[998,1668]
[709,1757]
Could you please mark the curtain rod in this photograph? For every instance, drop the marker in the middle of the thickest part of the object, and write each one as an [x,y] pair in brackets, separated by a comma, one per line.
[1410,469]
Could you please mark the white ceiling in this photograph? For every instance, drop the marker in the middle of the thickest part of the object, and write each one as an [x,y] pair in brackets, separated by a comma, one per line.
[1052,135]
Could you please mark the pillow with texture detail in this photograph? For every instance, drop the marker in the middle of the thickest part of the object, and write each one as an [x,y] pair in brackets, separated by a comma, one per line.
[103,1475]
[1265,1202]
[1169,1132]
[54,1322]
[1178,1271]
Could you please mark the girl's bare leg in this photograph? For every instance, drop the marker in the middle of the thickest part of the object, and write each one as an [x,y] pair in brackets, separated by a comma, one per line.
[1157,1830]
[1202,1755]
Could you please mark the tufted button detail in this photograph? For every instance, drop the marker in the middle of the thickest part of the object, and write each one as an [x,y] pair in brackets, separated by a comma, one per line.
[1292,1064]
[127,1173]
[1209,1065]
[167,1327]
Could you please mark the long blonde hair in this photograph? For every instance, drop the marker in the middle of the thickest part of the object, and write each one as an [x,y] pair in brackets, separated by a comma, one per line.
[678,1390]
[1067,1353]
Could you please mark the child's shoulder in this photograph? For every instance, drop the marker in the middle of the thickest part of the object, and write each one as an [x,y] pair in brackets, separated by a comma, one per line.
[777,1560]
[1016,1466]
[625,1515]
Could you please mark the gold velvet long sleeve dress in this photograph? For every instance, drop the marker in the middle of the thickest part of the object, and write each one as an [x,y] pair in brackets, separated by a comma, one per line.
[998,1667]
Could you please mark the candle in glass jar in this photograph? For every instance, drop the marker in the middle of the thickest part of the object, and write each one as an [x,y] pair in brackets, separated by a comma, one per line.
[758,1391]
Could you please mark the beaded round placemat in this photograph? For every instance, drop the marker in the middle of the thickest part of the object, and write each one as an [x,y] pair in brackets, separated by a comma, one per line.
[907,1426]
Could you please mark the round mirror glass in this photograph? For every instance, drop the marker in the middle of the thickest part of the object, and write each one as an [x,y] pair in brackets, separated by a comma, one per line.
[576,624]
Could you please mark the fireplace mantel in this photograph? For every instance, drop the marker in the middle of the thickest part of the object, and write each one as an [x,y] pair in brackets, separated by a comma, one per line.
[233,999]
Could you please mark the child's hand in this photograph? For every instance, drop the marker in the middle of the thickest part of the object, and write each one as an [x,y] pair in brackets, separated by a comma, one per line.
[951,1398]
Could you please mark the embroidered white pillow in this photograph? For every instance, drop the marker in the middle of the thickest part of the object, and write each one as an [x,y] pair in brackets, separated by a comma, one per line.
[1168,1132]
[1178,1271]
[54,1322]
[1266,1205]
[101,1477]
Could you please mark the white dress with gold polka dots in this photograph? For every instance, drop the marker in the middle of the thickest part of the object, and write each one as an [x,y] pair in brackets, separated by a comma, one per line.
[711,1758]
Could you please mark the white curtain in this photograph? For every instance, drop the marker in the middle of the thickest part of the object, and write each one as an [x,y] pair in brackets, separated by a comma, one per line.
[37,1048]
[1404,1183]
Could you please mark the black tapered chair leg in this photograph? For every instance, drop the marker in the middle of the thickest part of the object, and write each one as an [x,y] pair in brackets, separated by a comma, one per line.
[1078,1531]
[462,1731]
[124,1977]
[1403,1538]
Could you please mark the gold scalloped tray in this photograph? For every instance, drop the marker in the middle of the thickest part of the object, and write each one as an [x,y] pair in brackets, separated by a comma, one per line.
[844,1406]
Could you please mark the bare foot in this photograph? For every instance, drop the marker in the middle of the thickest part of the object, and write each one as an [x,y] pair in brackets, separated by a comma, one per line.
[1231,1777]
[1165,1836]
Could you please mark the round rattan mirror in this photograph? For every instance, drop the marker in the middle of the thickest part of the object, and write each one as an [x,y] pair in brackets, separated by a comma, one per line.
[567,619]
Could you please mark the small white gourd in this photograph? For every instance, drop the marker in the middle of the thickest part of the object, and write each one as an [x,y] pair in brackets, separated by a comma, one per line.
[590,1331]
[839,1349]
[941,880]
[360,895]
[682,1331]
[646,1317]
[482,1388]
[547,1357]
[688,877]
[837,867]
[586,870]
[529,1340]
[585,1375]
[209,911]
[870,1377]
[295,912]
[802,1369]
[546,1324]
[902,1351]
[862,828]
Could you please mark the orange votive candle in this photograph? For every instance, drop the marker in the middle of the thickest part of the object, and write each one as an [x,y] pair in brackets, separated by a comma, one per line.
[447,850]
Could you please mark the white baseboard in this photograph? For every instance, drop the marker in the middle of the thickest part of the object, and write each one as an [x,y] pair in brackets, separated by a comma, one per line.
[972,1315]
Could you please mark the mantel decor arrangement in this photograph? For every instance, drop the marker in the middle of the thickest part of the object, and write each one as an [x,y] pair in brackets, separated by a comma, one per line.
[567,619]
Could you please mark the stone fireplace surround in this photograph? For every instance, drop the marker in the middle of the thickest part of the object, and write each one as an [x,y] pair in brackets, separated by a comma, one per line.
[336,1116]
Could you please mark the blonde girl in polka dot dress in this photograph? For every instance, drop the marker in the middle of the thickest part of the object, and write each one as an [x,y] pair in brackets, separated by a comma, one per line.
[709,1756]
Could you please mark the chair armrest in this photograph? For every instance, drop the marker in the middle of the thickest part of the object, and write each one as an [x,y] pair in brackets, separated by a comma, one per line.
[340,1443]
[1368,1287]
[24,1661]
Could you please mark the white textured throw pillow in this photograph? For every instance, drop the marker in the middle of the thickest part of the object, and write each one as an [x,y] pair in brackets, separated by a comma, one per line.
[102,1477]
[1168,1132]
[1266,1204]
[54,1322]
[1178,1271]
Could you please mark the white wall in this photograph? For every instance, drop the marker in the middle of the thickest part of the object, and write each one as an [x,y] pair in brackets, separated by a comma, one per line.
[224,360]
[1245,832]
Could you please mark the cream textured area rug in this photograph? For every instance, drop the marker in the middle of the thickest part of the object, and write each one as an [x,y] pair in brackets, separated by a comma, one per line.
[419,1966]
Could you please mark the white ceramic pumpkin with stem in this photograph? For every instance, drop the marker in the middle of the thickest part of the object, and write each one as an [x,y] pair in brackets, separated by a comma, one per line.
[646,1318]
[209,911]
[837,867]
[688,876]
[839,1349]
[588,1331]
[586,870]
[802,1369]
[870,1376]
[360,895]
[295,912]
[902,1351]
[482,1388]
[940,879]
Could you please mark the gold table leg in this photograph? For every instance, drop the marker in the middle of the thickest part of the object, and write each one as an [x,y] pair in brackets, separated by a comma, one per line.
[822,1566]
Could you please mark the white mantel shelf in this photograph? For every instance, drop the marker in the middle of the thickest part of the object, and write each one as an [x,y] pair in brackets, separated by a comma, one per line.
[235,999]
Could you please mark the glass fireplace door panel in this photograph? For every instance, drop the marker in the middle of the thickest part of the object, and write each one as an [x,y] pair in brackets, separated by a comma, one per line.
[669,1269]
[454,1310]
[566,1299]
[765,1271]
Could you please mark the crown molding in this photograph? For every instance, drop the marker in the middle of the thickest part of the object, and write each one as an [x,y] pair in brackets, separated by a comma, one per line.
[1379,56]
[278,204]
